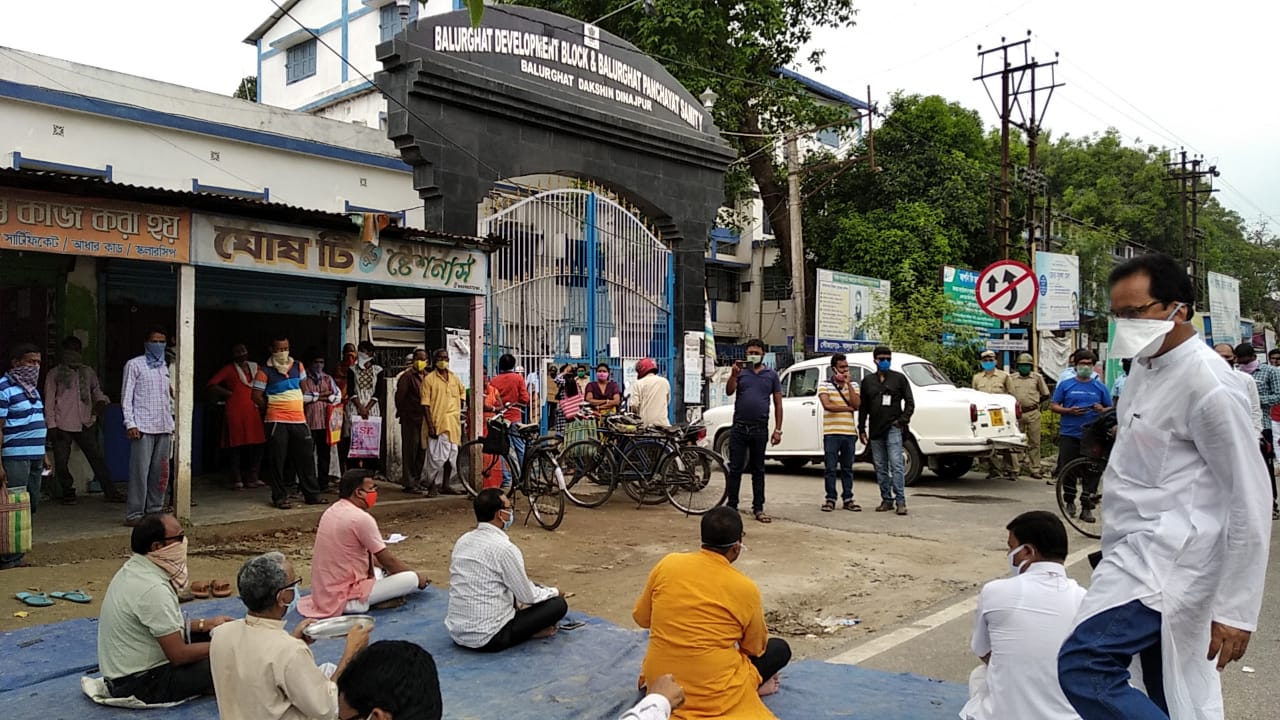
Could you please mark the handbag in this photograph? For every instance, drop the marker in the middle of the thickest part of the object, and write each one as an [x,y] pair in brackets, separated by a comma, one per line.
[497,439]
[15,522]
[580,430]
[571,407]
[366,437]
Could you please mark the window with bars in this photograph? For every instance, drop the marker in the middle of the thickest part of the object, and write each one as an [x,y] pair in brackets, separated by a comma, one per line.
[776,282]
[723,284]
[300,61]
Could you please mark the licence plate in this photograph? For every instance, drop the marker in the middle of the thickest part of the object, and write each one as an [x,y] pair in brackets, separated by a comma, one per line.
[997,417]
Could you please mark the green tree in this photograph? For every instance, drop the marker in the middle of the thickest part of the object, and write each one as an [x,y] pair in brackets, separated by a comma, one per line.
[248,89]
[735,49]
[914,325]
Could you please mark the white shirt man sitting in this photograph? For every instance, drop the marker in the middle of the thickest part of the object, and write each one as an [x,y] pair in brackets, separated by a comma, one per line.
[486,580]
[261,672]
[1021,622]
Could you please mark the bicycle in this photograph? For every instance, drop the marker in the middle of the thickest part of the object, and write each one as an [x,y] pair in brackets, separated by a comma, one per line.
[653,464]
[1082,477]
[539,476]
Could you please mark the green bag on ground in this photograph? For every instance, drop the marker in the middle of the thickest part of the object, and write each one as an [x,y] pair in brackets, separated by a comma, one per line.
[15,522]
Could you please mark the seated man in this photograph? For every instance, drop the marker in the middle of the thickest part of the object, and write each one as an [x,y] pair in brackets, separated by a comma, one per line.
[706,625]
[260,672]
[390,680]
[1021,622]
[486,580]
[142,649]
[351,566]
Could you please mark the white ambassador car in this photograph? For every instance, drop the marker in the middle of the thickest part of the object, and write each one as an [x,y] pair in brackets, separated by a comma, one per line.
[951,426]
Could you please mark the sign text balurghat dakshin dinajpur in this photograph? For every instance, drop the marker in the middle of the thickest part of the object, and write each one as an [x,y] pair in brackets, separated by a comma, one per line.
[574,65]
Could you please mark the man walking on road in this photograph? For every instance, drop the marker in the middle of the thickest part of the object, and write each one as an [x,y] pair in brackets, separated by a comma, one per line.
[1267,379]
[1030,391]
[752,391]
[840,400]
[991,380]
[886,407]
[74,402]
[1185,532]
[147,405]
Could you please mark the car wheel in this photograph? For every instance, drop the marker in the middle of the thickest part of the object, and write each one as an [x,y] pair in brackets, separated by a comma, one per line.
[722,445]
[792,464]
[952,467]
[912,461]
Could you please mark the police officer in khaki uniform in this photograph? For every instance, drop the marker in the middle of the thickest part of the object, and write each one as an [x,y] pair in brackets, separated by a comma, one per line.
[1029,390]
[991,380]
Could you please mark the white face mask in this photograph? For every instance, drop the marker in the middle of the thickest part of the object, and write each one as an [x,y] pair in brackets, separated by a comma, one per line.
[1141,337]
[1015,568]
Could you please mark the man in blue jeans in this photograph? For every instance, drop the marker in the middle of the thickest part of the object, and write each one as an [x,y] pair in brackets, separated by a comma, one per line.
[839,398]
[1185,520]
[752,391]
[22,430]
[885,412]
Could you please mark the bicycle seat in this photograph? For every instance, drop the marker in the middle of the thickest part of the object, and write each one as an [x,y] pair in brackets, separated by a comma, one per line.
[527,428]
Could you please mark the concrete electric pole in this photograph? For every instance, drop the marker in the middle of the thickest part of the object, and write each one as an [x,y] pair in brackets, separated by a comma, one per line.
[799,331]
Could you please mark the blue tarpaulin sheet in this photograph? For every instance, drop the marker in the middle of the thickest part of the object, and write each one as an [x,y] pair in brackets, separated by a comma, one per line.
[585,674]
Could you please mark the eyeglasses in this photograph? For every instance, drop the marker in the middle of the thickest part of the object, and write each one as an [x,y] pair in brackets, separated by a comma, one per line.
[175,538]
[1131,313]
[291,586]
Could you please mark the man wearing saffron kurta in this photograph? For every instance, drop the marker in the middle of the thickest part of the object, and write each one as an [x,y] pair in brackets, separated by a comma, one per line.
[706,627]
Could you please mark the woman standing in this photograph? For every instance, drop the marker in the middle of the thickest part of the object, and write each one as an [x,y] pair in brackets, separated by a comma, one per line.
[365,394]
[242,434]
[604,395]
[567,388]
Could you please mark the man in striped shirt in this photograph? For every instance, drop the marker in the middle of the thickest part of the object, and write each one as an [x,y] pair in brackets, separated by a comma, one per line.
[22,430]
[147,405]
[277,389]
[840,401]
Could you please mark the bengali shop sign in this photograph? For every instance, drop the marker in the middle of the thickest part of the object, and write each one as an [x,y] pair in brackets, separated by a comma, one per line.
[70,225]
[335,255]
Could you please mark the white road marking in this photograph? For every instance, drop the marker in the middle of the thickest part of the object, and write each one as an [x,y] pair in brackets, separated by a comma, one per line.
[884,643]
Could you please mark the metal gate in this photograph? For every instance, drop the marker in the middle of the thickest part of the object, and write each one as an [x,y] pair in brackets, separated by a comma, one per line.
[578,264]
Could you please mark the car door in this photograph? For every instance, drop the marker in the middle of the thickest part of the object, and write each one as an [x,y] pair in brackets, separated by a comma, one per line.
[801,413]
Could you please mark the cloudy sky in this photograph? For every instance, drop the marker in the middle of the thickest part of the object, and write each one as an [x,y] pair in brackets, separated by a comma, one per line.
[1168,73]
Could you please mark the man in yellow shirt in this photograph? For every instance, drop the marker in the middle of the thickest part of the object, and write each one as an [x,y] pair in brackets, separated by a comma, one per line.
[442,393]
[706,627]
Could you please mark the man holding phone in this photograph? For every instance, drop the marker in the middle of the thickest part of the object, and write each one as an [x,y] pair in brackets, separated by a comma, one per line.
[752,389]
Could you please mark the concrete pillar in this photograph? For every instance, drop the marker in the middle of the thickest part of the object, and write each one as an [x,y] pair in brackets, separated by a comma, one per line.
[184,390]
[475,410]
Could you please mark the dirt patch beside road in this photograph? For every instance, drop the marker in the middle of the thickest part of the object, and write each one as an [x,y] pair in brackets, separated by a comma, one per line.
[811,577]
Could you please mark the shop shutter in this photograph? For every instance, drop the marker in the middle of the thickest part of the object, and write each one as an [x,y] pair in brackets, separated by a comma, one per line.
[136,282]
[239,290]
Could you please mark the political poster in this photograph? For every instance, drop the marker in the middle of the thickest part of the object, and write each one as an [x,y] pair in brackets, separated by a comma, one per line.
[1224,308]
[958,286]
[1058,299]
[844,305]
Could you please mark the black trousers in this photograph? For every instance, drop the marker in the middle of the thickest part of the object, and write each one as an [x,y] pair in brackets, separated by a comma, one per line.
[1068,450]
[747,443]
[777,653]
[291,442]
[412,451]
[526,623]
[165,684]
[87,439]
[320,439]
[1269,454]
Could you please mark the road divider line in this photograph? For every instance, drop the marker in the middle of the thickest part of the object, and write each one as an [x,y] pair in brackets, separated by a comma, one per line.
[958,609]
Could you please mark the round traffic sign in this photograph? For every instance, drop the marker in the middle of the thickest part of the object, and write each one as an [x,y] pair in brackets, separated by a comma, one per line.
[1007,290]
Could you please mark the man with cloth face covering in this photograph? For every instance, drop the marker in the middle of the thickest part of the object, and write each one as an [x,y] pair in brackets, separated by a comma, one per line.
[1185,526]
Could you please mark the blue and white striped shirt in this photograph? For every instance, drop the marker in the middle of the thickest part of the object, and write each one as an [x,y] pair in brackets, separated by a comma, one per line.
[22,420]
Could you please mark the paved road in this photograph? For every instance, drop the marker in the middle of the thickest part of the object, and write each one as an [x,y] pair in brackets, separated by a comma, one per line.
[936,642]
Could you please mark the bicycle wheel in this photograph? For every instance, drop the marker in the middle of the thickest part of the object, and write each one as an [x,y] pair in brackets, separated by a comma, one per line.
[695,480]
[1082,480]
[543,482]
[589,479]
[637,468]
[474,465]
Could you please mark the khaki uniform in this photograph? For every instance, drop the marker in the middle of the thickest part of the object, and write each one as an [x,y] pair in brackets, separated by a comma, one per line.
[997,382]
[1030,392]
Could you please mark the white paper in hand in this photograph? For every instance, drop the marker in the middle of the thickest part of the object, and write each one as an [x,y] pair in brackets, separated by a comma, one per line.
[396,538]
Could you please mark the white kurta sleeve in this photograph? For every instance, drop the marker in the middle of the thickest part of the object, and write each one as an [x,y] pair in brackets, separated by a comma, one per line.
[1225,439]
[652,707]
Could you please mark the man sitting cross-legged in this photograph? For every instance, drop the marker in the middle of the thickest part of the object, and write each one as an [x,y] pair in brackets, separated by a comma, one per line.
[486,580]
[351,567]
[706,625]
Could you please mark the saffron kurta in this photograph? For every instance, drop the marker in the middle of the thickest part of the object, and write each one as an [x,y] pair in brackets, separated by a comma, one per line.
[244,421]
[704,619]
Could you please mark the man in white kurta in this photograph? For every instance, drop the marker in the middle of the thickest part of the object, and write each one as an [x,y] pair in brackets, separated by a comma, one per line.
[1186,528]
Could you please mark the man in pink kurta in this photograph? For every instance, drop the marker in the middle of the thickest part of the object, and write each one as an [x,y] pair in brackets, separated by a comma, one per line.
[351,566]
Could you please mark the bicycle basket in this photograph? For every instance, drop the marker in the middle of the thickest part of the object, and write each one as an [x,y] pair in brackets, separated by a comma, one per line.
[1097,438]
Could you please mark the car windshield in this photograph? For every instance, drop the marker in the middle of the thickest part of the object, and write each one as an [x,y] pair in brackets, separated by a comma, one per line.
[923,374]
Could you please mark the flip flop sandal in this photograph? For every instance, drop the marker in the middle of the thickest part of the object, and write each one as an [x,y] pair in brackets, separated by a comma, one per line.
[200,589]
[761,517]
[828,506]
[34,599]
[220,589]
[75,596]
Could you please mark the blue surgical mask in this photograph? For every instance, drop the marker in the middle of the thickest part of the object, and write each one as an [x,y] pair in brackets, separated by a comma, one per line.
[511,517]
[155,350]
[883,364]
[293,603]
[988,365]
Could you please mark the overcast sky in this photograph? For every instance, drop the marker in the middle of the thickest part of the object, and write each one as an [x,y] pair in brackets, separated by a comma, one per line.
[1121,61]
